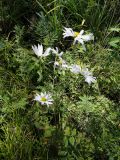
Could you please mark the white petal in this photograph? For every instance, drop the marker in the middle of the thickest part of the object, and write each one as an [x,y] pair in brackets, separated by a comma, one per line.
[37,97]
[56,63]
[78,39]
[60,54]
[68,32]
[90,79]
[35,49]
[42,103]
[81,32]
[85,72]
[50,100]
[56,52]
[49,103]
[40,50]
[88,37]
[57,49]
[40,47]
[75,69]
[42,94]
[47,52]
[64,65]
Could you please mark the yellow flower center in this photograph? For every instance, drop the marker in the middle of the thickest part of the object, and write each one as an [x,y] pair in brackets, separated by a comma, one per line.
[76,34]
[43,99]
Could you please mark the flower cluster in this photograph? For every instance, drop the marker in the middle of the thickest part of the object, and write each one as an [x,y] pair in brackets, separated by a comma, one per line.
[80,37]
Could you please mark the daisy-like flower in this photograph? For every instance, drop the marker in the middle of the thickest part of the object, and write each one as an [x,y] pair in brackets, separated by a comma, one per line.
[83,38]
[78,36]
[88,76]
[61,63]
[56,52]
[39,50]
[74,68]
[44,98]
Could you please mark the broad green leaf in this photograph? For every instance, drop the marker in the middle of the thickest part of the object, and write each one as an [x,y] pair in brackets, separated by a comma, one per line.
[67,131]
[72,140]
[66,141]
[73,132]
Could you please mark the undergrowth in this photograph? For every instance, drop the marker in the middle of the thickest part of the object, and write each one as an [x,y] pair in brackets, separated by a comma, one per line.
[82,121]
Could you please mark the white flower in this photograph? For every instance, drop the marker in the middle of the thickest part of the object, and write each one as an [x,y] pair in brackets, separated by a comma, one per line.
[78,36]
[68,32]
[88,76]
[56,52]
[39,50]
[44,99]
[83,38]
[61,63]
[74,68]
[88,37]
[90,79]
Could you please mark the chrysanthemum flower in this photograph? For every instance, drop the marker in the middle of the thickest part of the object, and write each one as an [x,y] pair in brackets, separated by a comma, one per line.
[90,79]
[83,38]
[74,68]
[78,36]
[39,50]
[44,98]
[88,76]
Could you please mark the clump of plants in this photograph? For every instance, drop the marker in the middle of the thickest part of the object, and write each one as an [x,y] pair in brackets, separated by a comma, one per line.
[59,92]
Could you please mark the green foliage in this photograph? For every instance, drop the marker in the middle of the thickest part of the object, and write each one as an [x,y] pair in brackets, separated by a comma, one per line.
[83,121]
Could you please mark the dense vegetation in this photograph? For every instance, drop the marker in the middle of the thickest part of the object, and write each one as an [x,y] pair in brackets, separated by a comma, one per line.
[82,122]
